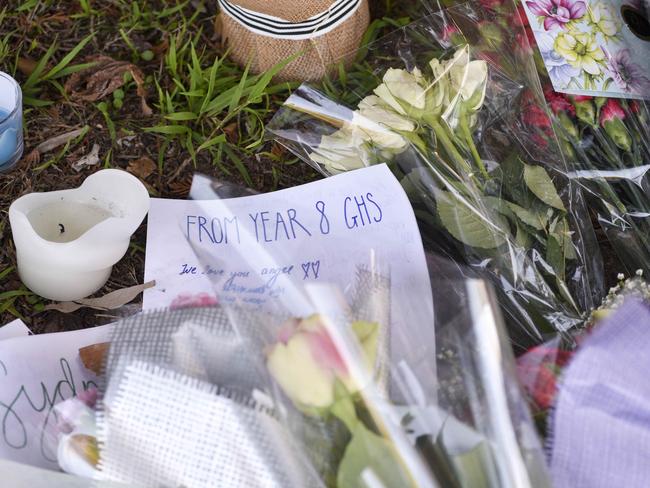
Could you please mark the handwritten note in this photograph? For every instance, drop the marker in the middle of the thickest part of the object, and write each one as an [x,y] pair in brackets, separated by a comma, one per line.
[36,373]
[264,248]
[17,328]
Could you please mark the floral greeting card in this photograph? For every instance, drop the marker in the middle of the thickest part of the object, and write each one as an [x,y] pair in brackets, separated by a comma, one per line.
[593,47]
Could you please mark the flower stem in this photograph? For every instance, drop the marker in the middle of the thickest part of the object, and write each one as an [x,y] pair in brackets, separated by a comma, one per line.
[450,148]
[467,134]
[417,141]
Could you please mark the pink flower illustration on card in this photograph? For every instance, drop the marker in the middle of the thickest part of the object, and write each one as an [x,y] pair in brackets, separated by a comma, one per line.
[557,13]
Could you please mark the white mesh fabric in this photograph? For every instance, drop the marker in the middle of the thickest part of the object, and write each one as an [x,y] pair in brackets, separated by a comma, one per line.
[163,428]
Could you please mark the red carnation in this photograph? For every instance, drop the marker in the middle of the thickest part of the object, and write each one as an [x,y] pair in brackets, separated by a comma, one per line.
[538,370]
[519,18]
[535,116]
[558,102]
[612,110]
[581,98]
[539,140]
[522,44]
[491,4]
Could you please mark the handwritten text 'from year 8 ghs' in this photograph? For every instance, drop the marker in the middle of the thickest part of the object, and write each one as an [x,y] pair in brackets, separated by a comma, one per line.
[356,211]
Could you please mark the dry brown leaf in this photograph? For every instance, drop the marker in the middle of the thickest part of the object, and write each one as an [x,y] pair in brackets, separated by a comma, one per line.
[58,18]
[180,188]
[32,158]
[232,132]
[60,140]
[142,167]
[111,301]
[161,48]
[93,356]
[26,66]
[277,150]
[103,78]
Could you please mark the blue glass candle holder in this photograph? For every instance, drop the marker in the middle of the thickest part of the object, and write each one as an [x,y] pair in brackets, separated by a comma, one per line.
[11,122]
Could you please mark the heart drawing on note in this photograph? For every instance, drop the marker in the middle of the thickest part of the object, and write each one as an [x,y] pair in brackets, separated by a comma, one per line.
[310,269]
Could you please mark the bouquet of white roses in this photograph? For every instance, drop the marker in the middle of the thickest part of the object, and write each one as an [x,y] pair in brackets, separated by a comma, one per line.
[448,123]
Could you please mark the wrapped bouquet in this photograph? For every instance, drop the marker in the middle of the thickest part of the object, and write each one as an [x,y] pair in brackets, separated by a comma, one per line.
[604,140]
[447,119]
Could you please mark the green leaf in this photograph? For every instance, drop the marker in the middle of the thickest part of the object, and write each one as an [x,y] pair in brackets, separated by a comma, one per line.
[211,81]
[179,116]
[523,238]
[239,91]
[563,235]
[72,69]
[239,164]
[221,138]
[434,451]
[540,183]
[67,59]
[482,229]
[168,129]
[13,294]
[35,102]
[367,452]
[264,80]
[5,272]
[34,78]
[343,407]
[555,256]
[534,219]
[512,176]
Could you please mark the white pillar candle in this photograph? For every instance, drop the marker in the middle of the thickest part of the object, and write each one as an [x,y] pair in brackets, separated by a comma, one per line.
[67,241]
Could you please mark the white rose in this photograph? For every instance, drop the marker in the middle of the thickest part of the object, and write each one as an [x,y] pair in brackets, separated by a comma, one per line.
[403,91]
[469,78]
[380,136]
[373,108]
[342,151]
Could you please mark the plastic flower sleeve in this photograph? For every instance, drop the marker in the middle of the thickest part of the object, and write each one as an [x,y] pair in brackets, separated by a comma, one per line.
[443,107]
[397,409]
[604,140]
[370,397]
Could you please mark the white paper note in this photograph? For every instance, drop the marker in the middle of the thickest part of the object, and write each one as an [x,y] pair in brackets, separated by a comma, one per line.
[258,248]
[36,373]
[17,328]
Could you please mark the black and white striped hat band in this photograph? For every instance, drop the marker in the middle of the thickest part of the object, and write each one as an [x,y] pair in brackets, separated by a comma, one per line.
[270,26]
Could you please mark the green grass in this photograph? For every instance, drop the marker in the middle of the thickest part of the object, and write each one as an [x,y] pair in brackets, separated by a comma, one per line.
[208,115]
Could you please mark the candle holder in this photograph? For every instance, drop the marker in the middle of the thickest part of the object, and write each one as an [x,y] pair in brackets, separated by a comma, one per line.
[11,122]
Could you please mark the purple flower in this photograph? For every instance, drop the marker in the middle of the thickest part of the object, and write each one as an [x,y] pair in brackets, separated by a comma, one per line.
[557,13]
[559,70]
[627,75]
